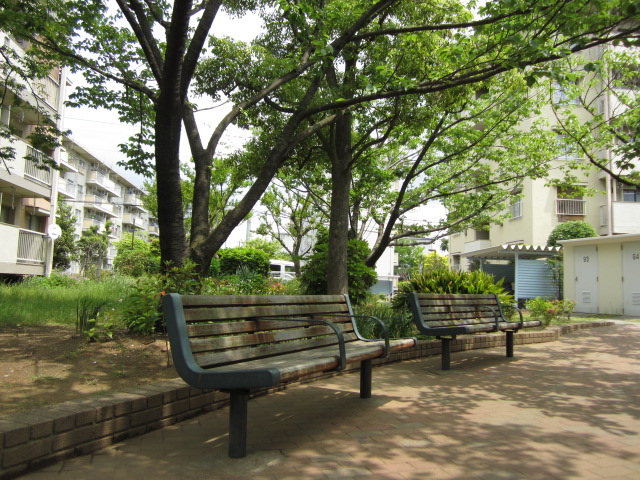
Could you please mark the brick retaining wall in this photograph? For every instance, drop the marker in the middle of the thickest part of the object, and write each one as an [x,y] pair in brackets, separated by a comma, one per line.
[34,438]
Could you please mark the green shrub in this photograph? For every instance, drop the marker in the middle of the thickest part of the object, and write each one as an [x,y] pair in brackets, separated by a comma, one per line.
[313,280]
[399,322]
[55,280]
[143,307]
[233,259]
[451,281]
[136,257]
[541,309]
[548,311]
[570,230]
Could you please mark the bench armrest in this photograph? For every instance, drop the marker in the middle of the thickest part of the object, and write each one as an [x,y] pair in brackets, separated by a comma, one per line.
[341,344]
[385,330]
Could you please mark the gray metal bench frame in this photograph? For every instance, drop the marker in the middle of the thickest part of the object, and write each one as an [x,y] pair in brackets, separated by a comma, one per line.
[445,316]
[240,343]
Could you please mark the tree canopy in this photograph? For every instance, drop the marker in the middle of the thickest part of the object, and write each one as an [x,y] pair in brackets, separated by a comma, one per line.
[318,64]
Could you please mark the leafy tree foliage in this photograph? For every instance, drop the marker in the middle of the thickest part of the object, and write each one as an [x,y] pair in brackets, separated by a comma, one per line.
[315,65]
[291,218]
[272,248]
[64,248]
[570,230]
[598,110]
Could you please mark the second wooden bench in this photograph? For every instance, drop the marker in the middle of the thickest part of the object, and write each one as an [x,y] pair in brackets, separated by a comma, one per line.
[446,315]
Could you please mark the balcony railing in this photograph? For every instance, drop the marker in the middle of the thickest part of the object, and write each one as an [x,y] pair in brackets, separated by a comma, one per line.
[33,168]
[570,206]
[49,90]
[31,247]
[96,178]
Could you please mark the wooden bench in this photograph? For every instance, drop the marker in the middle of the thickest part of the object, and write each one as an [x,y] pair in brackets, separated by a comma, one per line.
[239,343]
[446,315]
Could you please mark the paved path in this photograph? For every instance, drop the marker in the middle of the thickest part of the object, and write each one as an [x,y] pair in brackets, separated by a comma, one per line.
[563,410]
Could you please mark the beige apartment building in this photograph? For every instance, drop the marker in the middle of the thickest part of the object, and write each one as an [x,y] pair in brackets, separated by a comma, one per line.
[516,247]
[28,192]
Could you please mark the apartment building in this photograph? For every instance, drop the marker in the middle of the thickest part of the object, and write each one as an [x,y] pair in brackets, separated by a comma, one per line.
[98,194]
[102,197]
[26,187]
[516,248]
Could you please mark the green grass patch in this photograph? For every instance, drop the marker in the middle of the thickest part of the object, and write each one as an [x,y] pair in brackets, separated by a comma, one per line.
[38,302]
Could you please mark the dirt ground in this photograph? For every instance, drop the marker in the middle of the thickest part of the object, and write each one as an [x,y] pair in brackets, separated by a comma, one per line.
[41,365]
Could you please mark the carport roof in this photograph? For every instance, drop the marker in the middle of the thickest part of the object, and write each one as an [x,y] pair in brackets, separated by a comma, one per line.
[510,251]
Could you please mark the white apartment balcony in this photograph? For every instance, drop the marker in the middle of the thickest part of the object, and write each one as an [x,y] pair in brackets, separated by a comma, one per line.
[154,230]
[90,222]
[134,201]
[476,245]
[67,189]
[23,175]
[99,203]
[571,207]
[22,252]
[96,178]
[132,220]
[68,162]
[626,218]
[45,90]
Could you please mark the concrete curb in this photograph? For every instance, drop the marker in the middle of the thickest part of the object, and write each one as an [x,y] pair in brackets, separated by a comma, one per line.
[35,438]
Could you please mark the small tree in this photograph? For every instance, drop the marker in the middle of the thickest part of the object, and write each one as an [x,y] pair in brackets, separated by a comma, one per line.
[409,259]
[64,248]
[92,250]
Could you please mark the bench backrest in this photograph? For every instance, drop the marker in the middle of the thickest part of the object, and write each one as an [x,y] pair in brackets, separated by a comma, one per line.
[439,310]
[224,329]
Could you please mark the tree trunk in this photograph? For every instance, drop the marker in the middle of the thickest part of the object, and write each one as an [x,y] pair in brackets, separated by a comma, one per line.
[168,128]
[337,275]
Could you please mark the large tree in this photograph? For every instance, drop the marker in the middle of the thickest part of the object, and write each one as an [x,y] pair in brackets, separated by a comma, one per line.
[153,49]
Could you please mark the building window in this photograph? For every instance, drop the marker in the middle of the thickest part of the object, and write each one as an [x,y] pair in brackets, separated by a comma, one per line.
[562,95]
[631,195]
[482,234]
[7,214]
[568,150]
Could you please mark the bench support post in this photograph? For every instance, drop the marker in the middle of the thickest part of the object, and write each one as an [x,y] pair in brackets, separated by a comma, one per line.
[446,353]
[365,378]
[238,423]
[510,343]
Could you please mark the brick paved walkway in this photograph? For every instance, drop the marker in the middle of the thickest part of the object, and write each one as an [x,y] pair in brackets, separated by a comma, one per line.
[563,410]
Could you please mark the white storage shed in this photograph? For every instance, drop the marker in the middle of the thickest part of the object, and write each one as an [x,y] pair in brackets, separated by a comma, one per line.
[602,274]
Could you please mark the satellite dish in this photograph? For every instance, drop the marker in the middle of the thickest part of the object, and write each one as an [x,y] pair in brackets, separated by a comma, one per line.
[54,231]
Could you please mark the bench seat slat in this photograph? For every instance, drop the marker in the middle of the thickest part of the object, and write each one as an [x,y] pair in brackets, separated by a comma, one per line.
[249,340]
[230,300]
[303,363]
[247,312]
[227,328]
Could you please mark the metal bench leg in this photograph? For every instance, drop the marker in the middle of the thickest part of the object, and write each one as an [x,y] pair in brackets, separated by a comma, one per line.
[238,423]
[510,343]
[366,368]
[446,353]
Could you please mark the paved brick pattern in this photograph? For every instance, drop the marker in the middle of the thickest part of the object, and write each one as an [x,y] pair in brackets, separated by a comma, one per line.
[569,409]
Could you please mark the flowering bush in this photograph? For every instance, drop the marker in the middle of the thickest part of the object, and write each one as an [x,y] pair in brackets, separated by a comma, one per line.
[549,311]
